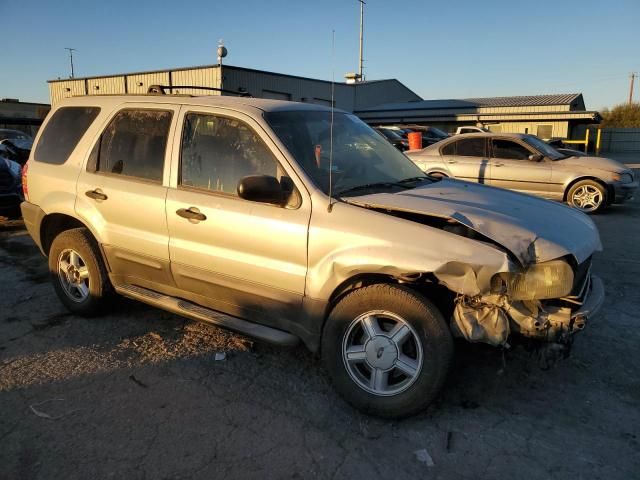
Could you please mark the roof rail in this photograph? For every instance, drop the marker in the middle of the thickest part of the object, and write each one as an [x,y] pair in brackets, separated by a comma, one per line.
[160,89]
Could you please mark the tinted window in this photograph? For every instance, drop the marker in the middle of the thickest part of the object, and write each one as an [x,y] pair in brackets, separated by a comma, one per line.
[217,152]
[449,149]
[63,132]
[134,144]
[509,150]
[470,147]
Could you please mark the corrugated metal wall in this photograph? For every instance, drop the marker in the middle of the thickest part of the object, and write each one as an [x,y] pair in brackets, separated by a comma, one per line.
[106,85]
[140,83]
[620,139]
[65,89]
[203,77]
[559,129]
[525,109]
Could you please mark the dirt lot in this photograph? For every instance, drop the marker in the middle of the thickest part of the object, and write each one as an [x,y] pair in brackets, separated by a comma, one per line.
[140,393]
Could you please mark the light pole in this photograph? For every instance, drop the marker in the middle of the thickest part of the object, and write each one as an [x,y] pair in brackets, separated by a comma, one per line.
[222,52]
[360,68]
[71,50]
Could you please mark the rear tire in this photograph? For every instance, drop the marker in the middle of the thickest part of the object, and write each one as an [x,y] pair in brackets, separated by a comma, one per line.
[588,196]
[78,273]
[387,350]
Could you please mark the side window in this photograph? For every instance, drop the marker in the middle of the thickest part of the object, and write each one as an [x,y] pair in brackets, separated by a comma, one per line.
[471,147]
[217,152]
[134,144]
[63,132]
[449,149]
[509,150]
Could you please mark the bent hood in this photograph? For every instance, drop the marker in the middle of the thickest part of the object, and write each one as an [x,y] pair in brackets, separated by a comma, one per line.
[534,230]
[600,163]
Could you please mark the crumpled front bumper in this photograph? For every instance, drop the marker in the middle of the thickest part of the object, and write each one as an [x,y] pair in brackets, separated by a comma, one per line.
[493,318]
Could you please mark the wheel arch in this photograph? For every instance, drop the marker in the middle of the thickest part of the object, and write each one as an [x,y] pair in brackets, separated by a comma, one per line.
[582,178]
[53,224]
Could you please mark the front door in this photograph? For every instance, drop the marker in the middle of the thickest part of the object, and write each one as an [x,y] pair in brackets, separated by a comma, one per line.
[245,258]
[121,193]
[512,169]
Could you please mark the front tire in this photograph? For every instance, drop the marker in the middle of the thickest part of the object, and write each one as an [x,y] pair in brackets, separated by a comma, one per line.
[387,350]
[587,196]
[78,272]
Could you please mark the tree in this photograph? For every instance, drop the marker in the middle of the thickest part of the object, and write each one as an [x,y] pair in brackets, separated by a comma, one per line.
[626,115]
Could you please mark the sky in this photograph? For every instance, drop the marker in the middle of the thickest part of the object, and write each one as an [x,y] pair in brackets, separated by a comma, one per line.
[439,49]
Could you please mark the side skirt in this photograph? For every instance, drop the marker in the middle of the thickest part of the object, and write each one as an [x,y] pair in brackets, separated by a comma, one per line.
[197,312]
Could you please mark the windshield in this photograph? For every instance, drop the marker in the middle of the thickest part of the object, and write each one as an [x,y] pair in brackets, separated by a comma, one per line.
[360,155]
[390,134]
[436,132]
[543,147]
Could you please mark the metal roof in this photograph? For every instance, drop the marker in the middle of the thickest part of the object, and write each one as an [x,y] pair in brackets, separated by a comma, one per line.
[471,103]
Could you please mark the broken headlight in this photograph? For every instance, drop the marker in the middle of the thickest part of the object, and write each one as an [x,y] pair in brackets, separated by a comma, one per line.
[552,279]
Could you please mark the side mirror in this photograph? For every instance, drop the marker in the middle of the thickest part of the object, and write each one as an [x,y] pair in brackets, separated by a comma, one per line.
[261,188]
[535,157]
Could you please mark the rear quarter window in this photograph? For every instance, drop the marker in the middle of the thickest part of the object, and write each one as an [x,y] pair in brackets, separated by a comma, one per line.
[63,132]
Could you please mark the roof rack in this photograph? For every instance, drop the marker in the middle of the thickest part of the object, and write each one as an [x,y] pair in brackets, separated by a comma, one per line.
[160,89]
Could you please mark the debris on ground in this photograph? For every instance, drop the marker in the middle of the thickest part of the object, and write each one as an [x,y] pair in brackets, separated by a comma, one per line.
[423,456]
[42,414]
[138,382]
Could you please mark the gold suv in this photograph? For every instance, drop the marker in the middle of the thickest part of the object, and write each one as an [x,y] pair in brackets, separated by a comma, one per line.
[288,221]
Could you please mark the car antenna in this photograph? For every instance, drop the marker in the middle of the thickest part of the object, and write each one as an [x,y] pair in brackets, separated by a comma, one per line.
[333,75]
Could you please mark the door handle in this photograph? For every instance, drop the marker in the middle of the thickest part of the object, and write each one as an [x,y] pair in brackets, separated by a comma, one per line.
[452,161]
[497,164]
[96,194]
[191,213]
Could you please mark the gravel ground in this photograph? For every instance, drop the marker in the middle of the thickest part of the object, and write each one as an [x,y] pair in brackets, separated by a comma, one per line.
[141,393]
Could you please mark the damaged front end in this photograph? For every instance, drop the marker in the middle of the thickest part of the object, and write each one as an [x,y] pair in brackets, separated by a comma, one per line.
[548,302]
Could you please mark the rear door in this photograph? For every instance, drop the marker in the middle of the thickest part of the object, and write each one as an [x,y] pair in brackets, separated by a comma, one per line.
[467,159]
[245,258]
[512,169]
[122,191]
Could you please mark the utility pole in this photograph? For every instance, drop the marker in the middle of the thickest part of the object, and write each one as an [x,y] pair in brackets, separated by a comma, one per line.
[360,68]
[632,76]
[71,50]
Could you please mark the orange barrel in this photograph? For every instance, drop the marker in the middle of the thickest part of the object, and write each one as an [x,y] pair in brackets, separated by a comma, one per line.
[415,140]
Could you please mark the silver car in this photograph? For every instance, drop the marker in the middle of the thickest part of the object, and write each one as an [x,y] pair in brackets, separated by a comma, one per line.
[527,164]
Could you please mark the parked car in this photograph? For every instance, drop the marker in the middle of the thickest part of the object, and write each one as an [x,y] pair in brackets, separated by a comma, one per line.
[560,146]
[430,135]
[470,129]
[394,138]
[10,185]
[286,221]
[527,164]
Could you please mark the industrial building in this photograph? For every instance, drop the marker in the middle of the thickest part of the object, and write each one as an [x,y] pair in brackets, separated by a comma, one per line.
[24,116]
[350,96]
[378,102]
[547,116]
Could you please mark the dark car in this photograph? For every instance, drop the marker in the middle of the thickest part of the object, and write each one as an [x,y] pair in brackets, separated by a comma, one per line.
[430,135]
[17,145]
[394,138]
[10,186]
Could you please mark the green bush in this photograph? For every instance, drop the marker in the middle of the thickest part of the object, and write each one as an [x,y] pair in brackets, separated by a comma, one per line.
[622,116]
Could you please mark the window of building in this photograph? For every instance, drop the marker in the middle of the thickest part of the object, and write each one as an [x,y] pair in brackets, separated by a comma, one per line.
[217,152]
[134,144]
[63,132]
[509,150]
[471,147]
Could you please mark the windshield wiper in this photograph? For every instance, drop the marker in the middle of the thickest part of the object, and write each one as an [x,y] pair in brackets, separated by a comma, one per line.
[368,186]
[414,179]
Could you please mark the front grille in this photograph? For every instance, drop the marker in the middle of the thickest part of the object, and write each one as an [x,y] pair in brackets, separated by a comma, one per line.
[581,276]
